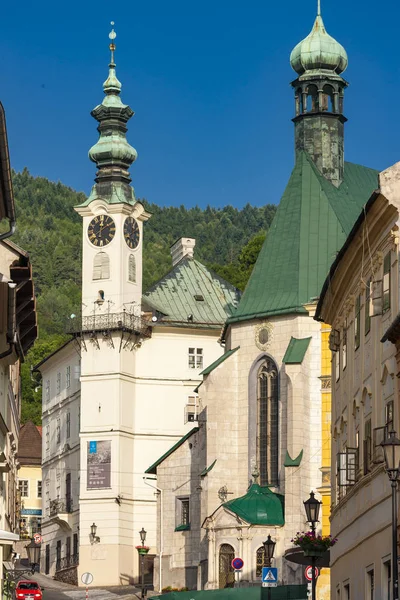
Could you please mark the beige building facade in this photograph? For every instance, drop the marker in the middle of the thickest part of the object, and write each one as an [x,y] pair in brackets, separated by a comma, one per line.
[360,300]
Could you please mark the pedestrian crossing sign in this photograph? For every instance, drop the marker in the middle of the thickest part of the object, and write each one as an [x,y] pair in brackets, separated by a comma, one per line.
[270,577]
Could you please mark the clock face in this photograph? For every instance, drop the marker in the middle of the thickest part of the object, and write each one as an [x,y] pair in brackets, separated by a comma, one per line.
[101,230]
[131,232]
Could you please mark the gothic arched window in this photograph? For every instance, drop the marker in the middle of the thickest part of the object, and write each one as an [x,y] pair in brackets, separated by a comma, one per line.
[260,561]
[132,269]
[101,266]
[267,422]
[226,571]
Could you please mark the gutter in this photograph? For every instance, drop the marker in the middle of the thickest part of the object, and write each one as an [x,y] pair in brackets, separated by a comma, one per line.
[11,329]
[10,232]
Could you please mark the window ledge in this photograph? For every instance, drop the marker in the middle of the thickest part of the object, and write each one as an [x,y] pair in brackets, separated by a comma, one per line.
[183,527]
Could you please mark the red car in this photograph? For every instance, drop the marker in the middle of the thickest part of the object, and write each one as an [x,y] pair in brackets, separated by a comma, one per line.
[28,590]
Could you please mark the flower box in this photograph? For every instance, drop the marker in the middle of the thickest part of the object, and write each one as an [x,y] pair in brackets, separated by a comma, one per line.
[142,550]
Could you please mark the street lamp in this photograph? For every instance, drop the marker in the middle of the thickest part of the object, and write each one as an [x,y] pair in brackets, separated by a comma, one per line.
[312,506]
[33,551]
[142,551]
[269,547]
[391,449]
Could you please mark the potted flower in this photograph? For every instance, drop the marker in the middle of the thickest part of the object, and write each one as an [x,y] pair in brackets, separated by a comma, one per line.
[142,549]
[313,544]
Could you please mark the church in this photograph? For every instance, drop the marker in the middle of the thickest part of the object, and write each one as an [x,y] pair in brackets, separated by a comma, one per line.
[262,442]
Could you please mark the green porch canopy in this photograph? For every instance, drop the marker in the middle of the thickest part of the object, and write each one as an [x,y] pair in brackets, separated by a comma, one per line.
[283,592]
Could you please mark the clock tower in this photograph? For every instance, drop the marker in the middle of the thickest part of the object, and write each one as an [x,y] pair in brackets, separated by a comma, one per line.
[110,331]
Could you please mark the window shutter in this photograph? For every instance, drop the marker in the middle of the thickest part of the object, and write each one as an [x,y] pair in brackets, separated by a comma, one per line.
[101,266]
[132,269]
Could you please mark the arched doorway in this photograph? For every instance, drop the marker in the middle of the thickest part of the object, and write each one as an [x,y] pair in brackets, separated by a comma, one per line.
[226,572]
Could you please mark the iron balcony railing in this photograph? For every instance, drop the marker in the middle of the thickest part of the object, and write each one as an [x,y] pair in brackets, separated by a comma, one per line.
[67,561]
[60,507]
[109,322]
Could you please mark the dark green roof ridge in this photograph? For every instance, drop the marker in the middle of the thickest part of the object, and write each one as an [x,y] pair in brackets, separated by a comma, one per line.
[153,468]
[219,360]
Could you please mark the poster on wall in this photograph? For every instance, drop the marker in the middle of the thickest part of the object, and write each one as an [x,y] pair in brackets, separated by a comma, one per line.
[98,464]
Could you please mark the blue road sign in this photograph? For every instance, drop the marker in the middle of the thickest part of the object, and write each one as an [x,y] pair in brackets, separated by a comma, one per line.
[270,576]
[237,564]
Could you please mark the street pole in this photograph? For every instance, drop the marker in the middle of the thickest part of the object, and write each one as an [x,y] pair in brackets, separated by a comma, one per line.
[269,589]
[313,578]
[395,575]
[142,566]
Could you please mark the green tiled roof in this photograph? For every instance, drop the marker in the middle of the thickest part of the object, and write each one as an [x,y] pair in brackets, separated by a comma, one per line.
[153,468]
[260,506]
[192,290]
[296,350]
[311,224]
[219,360]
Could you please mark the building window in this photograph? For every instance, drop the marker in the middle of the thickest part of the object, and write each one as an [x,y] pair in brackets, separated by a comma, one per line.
[68,428]
[367,314]
[195,358]
[357,323]
[260,561]
[58,432]
[346,589]
[387,579]
[47,390]
[75,546]
[346,470]
[344,347]
[370,585]
[68,547]
[367,446]
[389,416]
[23,486]
[101,266]
[58,383]
[386,282]
[47,439]
[183,512]
[267,423]
[39,489]
[132,269]
[68,378]
[192,409]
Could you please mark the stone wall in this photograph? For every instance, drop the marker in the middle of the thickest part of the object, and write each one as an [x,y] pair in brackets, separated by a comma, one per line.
[69,575]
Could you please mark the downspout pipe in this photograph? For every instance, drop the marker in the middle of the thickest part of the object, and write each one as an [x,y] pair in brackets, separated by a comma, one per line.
[10,232]
[159,491]
[11,321]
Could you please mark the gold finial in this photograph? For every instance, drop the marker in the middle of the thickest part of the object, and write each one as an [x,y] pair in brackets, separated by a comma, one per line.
[112,35]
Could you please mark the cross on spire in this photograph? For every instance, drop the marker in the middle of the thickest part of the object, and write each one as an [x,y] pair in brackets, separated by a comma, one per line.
[112,35]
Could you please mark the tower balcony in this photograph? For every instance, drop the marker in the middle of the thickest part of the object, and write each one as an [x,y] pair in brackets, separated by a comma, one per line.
[61,513]
[104,324]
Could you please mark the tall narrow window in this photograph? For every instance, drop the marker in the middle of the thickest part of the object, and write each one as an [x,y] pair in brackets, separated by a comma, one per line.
[260,561]
[58,432]
[47,439]
[132,268]
[344,346]
[267,423]
[367,308]
[367,446]
[386,282]
[101,266]
[68,428]
[337,365]
[357,323]
[68,377]
[370,585]
[389,416]
[47,392]
[58,383]
[39,489]
[195,358]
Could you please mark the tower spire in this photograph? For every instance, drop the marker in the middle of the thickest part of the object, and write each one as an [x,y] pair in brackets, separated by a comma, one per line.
[319,8]
[112,153]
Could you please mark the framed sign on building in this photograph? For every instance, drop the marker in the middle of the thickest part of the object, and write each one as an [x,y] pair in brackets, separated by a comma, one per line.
[98,464]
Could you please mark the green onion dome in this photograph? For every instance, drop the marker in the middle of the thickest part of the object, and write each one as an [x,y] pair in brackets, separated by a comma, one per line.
[318,52]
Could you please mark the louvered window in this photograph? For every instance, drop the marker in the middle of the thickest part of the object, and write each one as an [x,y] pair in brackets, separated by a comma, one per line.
[101,266]
[132,269]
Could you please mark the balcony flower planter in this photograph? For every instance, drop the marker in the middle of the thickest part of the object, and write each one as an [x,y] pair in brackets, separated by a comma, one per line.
[314,552]
[142,550]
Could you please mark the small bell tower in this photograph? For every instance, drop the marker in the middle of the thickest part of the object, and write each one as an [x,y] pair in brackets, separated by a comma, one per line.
[319,88]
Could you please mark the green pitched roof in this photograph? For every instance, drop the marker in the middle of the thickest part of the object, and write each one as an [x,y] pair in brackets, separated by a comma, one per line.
[153,468]
[260,506]
[192,289]
[219,360]
[296,351]
[311,224]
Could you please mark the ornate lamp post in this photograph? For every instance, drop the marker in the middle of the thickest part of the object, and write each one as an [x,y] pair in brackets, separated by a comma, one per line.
[269,547]
[391,449]
[312,506]
[142,551]
[33,551]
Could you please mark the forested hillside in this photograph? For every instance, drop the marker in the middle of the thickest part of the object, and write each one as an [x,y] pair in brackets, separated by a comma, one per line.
[227,239]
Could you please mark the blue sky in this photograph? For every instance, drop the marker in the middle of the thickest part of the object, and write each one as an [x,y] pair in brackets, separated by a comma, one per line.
[208,81]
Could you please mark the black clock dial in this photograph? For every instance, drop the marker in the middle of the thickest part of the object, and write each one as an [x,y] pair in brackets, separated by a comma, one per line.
[101,230]
[131,232]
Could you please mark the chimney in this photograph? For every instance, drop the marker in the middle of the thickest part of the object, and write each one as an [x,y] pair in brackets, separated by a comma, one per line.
[182,247]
